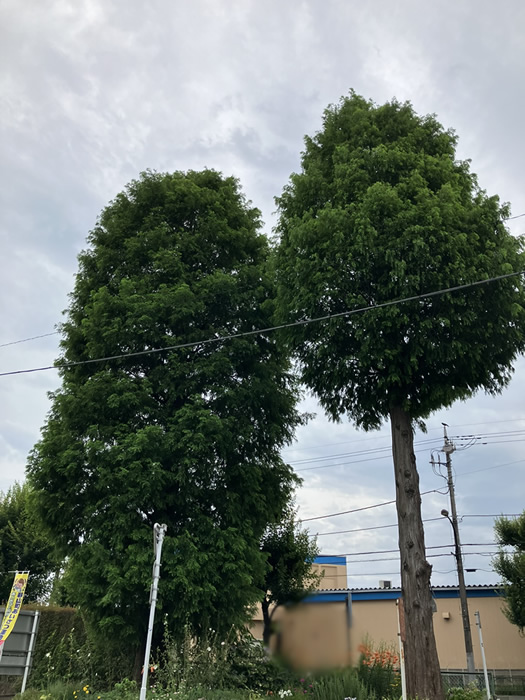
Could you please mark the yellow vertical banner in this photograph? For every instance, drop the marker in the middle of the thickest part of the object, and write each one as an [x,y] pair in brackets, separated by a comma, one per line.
[13,605]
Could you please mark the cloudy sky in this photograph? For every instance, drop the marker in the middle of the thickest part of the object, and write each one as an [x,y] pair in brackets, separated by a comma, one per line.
[95,91]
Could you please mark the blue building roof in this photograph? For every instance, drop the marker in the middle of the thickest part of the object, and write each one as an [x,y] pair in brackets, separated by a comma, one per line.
[341,594]
[327,559]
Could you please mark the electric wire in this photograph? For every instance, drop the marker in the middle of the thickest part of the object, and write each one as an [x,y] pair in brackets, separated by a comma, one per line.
[45,335]
[385,456]
[428,556]
[426,520]
[358,510]
[320,446]
[357,452]
[486,469]
[244,334]
[346,464]
[26,340]
[437,546]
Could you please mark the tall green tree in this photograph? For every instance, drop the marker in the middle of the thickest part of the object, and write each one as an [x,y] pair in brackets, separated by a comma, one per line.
[290,577]
[511,567]
[24,546]
[382,210]
[189,437]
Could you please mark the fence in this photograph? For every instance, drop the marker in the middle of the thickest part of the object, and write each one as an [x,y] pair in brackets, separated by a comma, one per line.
[509,682]
[461,679]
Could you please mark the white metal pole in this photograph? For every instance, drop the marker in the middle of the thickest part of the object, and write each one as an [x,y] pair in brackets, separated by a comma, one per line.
[478,623]
[401,655]
[158,536]
[30,650]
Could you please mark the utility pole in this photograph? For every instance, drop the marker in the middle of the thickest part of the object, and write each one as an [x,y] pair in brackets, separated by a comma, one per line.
[448,448]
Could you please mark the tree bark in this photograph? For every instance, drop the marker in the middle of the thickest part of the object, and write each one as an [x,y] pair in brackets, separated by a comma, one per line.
[422,664]
[267,622]
[138,662]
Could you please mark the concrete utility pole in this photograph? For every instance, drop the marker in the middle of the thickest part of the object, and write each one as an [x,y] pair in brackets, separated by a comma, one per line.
[448,448]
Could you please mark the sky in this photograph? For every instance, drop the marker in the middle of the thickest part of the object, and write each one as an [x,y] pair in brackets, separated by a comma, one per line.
[93,92]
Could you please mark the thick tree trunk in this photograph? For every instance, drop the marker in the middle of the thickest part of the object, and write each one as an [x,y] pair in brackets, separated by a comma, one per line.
[422,664]
[138,662]
[267,623]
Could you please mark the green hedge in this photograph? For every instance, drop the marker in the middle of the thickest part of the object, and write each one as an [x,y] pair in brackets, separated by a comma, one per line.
[66,650]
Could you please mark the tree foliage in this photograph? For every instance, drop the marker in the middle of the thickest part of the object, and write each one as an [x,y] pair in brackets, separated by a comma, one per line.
[511,567]
[290,577]
[189,437]
[382,210]
[24,545]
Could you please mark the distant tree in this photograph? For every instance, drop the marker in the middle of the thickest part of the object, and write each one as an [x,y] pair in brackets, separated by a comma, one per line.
[290,578]
[511,567]
[382,210]
[190,436]
[24,546]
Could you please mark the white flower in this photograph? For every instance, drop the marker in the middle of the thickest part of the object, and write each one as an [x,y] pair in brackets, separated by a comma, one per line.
[223,643]
[48,655]
[208,649]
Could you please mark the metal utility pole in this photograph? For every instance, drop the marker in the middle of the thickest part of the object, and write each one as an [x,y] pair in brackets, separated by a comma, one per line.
[448,448]
[158,536]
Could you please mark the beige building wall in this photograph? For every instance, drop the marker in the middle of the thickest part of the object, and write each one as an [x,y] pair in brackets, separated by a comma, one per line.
[312,635]
[333,575]
[315,636]
[504,647]
[329,632]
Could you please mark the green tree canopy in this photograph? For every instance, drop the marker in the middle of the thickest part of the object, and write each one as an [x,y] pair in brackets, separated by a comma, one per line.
[511,567]
[290,577]
[382,210]
[189,437]
[24,545]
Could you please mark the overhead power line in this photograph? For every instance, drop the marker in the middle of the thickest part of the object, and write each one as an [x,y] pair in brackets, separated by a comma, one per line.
[346,464]
[486,469]
[357,453]
[437,546]
[322,445]
[26,340]
[426,520]
[428,556]
[45,335]
[291,324]
[388,448]
[358,510]
[491,515]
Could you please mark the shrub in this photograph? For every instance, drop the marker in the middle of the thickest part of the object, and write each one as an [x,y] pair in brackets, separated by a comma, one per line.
[469,692]
[343,684]
[239,661]
[378,670]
